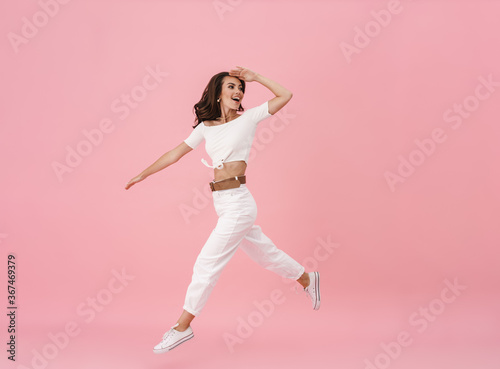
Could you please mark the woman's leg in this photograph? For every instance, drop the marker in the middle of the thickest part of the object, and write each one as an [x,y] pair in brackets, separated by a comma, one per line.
[237,211]
[184,321]
[263,251]
[304,280]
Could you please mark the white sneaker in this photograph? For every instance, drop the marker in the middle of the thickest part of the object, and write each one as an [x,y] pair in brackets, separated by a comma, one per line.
[313,289]
[172,339]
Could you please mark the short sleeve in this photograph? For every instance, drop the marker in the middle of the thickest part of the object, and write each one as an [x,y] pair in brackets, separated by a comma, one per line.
[196,136]
[259,113]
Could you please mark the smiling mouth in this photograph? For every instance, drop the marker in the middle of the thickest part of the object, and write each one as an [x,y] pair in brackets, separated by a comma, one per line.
[236,99]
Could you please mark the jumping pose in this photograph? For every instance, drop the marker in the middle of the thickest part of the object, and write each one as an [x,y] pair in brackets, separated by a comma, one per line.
[228,138]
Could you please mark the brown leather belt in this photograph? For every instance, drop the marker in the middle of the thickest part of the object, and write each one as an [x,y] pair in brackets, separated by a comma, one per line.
[227,183]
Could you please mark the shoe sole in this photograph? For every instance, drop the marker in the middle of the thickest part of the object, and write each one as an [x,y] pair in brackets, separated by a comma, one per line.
[174,345]
[316,285]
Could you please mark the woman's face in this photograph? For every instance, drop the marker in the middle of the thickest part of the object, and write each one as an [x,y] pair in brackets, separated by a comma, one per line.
[232,92]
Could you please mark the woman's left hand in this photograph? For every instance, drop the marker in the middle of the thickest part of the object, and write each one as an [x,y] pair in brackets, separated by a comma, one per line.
[243,73]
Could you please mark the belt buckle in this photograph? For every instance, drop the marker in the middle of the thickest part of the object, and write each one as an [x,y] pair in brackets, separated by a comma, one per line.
[231,182]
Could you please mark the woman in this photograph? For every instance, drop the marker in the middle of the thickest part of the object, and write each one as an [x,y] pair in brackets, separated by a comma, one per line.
[229,137]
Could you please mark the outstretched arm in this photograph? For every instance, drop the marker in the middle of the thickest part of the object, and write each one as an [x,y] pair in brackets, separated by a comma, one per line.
[283,95]
[164,161]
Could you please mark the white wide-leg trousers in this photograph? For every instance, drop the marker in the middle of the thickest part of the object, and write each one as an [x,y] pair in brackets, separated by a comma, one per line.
[235,228]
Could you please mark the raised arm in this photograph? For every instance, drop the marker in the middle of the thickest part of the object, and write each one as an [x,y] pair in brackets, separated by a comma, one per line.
[283,95]
[167,159]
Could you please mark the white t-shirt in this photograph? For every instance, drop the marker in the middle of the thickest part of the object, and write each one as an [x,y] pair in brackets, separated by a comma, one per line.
[230,141]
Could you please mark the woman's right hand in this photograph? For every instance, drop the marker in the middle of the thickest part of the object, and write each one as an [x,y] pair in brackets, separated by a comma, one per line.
[243,73]
[133,181]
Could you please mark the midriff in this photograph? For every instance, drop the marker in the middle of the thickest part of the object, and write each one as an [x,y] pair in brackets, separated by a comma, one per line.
[230,169]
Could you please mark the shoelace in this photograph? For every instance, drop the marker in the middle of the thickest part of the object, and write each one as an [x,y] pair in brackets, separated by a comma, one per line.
[169,333]
[304,290]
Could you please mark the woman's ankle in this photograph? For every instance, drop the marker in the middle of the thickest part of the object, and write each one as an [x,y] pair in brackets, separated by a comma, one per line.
[181,328]
[304,280]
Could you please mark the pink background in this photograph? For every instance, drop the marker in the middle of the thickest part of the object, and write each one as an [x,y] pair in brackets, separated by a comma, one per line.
[320,176]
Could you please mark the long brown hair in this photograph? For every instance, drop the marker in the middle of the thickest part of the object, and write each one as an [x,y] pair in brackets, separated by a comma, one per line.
[208,108]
